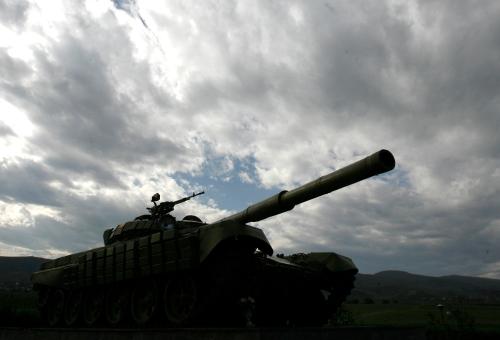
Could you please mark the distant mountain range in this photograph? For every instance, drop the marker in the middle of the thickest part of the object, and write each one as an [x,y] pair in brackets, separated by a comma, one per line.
[391,286]
[16,271]
[384,287]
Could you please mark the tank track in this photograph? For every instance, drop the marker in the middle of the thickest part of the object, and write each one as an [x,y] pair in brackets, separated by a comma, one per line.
[256,292]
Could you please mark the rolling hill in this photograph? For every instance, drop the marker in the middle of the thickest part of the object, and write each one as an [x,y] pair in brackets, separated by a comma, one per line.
[17,270]
[406,287]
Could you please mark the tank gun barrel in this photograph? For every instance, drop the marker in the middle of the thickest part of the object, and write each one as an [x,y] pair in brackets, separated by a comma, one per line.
[375,164]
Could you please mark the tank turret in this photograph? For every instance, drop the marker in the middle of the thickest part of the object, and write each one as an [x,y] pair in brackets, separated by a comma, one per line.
[158,219]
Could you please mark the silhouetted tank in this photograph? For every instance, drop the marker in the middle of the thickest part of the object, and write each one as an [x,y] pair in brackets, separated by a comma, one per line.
[187,272]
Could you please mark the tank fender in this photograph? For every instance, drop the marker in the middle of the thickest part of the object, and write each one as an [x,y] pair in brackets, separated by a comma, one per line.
[52,277]
[331,262]
[212,235]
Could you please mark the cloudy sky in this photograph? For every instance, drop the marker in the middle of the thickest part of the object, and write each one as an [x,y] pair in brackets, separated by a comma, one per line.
[103,103]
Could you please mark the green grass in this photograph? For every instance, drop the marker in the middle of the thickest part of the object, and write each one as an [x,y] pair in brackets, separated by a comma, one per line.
[389,315]
[18,309]
[483,317]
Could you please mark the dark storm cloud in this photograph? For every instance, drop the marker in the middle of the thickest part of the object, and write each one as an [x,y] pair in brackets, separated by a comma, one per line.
[79,104]
[353,64]
[372,64]
[13,12]
[85,124]
[11,68]
[27,182]
[459,85]
[5,130]
[89,218]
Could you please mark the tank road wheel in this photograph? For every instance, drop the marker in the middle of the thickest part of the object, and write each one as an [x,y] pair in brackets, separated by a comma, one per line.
[180,300]
[92,307]
[55,307]
[116,305]
[312,309]
[43,297]
[143,302]
[72,307]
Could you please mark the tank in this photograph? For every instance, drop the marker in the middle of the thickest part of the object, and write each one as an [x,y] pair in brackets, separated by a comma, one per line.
[175,273]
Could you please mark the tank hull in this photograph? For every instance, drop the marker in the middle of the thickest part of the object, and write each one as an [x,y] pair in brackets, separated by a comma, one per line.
[235,281]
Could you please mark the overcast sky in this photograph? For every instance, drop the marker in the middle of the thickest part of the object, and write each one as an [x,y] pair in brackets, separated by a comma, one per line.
[104,103]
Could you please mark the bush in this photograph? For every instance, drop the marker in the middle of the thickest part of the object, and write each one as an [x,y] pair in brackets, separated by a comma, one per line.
[451,318]
[368,301]
[342,317]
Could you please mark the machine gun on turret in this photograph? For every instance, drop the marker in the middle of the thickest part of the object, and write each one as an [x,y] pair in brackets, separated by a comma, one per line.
[164,208]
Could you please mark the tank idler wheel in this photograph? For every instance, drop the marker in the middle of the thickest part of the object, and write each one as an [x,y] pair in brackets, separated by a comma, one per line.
[92,307]
[340,290]
[55,307]
[180,300]
[313,310]
[143,302]
[116,304]
[72,307]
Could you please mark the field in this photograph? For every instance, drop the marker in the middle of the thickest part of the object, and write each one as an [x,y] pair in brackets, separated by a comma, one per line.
[458,317]
[19,309]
